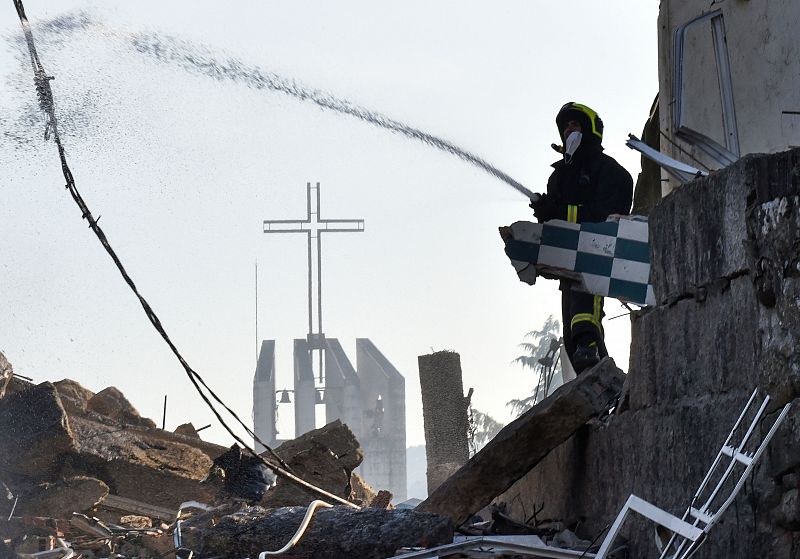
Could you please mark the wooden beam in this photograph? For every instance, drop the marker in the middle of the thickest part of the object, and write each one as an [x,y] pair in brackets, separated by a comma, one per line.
[524,442]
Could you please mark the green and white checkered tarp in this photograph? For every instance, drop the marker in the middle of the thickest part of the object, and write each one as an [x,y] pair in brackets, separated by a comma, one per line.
[611,259]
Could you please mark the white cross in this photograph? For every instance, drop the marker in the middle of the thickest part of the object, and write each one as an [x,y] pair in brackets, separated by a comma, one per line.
[314,226]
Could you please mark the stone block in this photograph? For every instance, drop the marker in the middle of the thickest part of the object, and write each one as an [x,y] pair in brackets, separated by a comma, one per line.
[335,436]
[147,466]
[112,403]
[187,430]
[34,432]
[74,396]
[317,465]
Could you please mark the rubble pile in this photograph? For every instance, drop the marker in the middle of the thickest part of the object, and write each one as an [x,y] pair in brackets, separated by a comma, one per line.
[84,475]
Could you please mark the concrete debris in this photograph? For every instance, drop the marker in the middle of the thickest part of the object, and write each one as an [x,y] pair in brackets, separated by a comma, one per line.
[187,430]
[317,465]
[523,443]
[325,457]
[494,546]
[34,430]
[383,500]
[74,397]
[84,475]
[111,403]
[137,522]
[503,536]
[361,493]
[62,498]
[138,463]
[335,436]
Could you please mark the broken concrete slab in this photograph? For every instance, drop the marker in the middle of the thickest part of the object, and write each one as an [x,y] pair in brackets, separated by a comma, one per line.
[335,436]
[333,533]
[326,458]
[62,498]
[34,430]
[523,443]
[138,463]
[113,404]
[317,465]
[42,441]
[73,395]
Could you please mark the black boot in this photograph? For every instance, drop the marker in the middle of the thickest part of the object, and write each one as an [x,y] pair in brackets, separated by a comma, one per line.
[585,357]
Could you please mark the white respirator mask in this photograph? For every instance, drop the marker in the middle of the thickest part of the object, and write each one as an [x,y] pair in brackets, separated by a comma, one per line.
[571,145]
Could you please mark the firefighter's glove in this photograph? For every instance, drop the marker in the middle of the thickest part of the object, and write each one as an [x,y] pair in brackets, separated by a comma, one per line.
[544,207]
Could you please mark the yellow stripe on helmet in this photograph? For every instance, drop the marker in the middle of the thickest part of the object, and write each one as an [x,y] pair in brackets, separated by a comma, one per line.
[592,117]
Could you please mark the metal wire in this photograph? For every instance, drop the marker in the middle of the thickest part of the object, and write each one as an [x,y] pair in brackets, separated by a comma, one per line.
[301,530]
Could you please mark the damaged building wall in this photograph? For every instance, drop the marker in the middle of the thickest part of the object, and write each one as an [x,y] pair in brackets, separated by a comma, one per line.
[731,72]
[727,277]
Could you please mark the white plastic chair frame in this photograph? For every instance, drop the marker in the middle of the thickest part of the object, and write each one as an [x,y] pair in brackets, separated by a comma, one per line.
[688,534]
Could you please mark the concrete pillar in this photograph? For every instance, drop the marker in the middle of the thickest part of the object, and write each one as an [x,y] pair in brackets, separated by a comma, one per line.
[342,394]
[444,411]
[264,396]
[304,390]
[383,404]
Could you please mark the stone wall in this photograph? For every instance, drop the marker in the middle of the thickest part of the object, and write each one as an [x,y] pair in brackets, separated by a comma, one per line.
[725,253]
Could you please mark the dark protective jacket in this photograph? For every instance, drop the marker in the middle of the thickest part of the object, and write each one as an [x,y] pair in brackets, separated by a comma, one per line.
[589,188]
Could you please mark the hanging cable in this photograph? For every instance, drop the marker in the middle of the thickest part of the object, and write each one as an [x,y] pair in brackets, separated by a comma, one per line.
[47,104]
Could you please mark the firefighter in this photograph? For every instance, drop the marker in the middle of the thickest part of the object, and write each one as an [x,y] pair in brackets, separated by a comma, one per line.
[586,186]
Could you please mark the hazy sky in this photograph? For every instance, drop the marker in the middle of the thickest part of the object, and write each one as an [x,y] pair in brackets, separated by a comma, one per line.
[183,169]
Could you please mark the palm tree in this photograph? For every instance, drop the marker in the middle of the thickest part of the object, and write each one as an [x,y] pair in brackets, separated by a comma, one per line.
[482,429]
[542,357]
